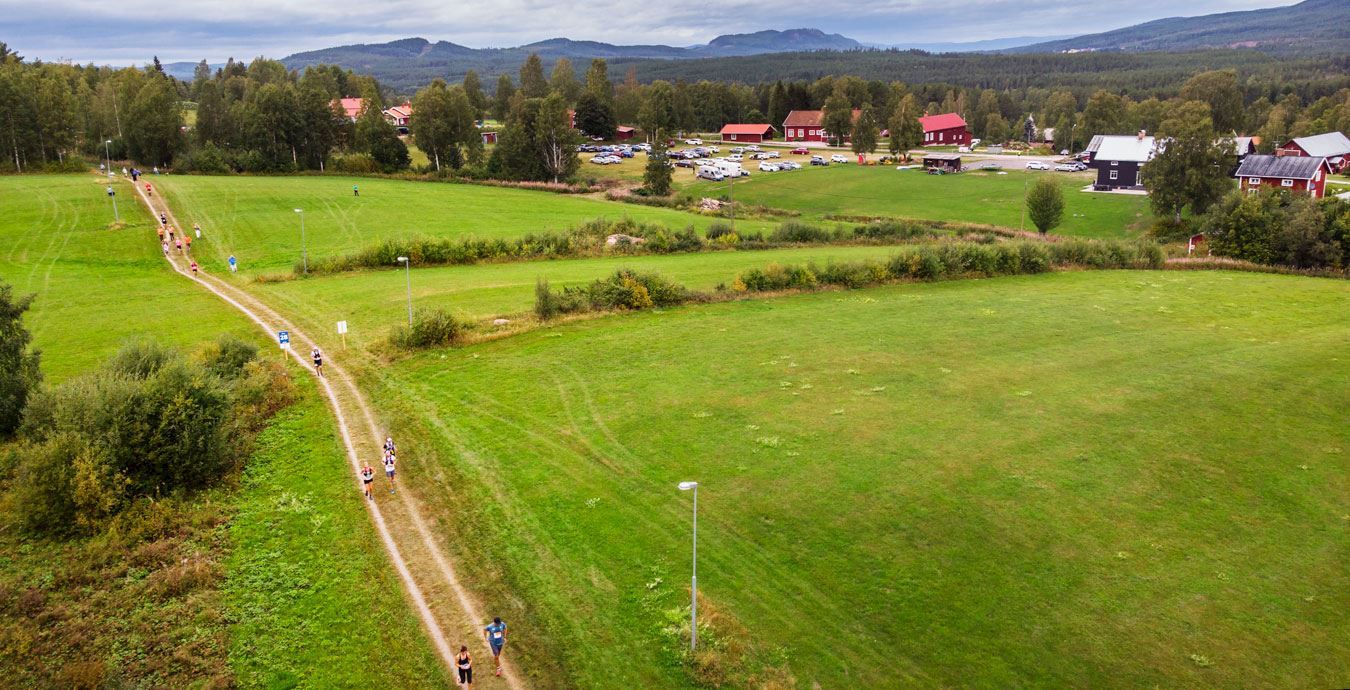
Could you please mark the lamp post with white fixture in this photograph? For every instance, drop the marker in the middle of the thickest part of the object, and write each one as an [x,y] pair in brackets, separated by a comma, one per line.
[693,581]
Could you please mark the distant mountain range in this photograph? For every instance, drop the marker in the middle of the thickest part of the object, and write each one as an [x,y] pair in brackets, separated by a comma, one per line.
[1310,26]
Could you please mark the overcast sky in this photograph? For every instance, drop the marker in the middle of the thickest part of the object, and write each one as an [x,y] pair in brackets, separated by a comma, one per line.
[131,32]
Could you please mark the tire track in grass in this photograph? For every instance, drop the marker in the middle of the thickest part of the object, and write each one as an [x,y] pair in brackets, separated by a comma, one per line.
[469,617]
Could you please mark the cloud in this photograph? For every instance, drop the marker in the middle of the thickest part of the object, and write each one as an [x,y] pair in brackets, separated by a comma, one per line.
[131,33]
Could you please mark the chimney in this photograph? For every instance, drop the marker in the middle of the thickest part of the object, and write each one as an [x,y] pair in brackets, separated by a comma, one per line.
[1141,135]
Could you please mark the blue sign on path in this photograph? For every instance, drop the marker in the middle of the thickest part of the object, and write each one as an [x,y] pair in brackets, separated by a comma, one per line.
[284,337]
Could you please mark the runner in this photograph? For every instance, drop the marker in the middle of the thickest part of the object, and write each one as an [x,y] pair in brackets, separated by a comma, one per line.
[178,244]
[318,361]
[495,634]
[194,268]
[147,189]
[464,663]
[165,246]
[163,219]
[367,476]
[389,445]
[161,233]
[187,243]
[234,264]
[389,469]
[170,228]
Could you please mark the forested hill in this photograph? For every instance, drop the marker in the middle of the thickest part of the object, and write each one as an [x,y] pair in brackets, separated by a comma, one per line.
[1309,27]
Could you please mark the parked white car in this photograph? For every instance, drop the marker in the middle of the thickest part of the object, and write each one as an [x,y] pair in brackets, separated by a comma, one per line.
[738,149]
[736,157]
[752,147]
[1066,167]
[1037,165]
[714,149]
[838,158]
[768,167]
[789,165]
[773,154]
[694,142]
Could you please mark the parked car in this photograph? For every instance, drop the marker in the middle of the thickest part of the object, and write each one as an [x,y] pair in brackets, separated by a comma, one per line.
[694,142]
[801,151]
[766,166]
[789,165]
[752,147]
[963,149]
[737,149]
[736,157]
[1066,167]
[1037,165]
[773,154]
[838,158]
[682,163]
[714,149]
[819,160]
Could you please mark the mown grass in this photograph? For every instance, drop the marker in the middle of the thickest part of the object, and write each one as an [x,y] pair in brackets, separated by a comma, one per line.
[1087,479]
[254,218]
[973,197]
[372,302]
[264,584]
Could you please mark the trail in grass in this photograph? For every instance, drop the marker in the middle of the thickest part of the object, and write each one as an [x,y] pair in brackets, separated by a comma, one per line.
[445,592]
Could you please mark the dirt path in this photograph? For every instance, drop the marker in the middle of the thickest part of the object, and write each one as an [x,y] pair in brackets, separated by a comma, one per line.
[441,600]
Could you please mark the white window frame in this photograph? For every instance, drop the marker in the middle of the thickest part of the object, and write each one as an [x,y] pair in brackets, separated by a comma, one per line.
[1253,180]
[1286,183]
[1113,174]
[1115,163]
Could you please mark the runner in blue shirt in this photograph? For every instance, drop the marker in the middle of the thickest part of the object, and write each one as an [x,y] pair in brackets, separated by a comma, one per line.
[234,265]
[495,634]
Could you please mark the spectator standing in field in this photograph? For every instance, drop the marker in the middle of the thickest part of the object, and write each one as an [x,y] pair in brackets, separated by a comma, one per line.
[318,361]
[197,228]
[367,476]
[495,634]
[389,469]
[356,191]
[464,663]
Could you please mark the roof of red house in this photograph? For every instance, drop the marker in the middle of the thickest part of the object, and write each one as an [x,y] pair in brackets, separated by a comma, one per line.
[746,129]
[624,128]
[933,123]
[404,110]
[1292,167]
[809,118]
[351,107]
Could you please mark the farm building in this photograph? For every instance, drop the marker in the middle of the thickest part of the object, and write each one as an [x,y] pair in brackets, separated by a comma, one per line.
[489,138]
[351,107]
[946,162]
[1301,174]
[1119,159]
[1333,146]
[804,125]
[399,116]
[624,133]
[751,133]
[1091,151]
[947,128]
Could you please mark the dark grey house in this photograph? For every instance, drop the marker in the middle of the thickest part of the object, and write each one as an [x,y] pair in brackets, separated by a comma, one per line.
[1119,160]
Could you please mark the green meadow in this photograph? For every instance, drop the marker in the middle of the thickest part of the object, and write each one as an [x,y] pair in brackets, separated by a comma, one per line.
[984,197]
[1081,479]
[254,217]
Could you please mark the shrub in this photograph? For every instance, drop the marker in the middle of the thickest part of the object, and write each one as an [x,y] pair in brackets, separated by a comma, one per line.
[777,277]
[718,229]
[19,372]
[227,356]
[793,231]
[546,304]
[430,328]
[355,163]
[891,230]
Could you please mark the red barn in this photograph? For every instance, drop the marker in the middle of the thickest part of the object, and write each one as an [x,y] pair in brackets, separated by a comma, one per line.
[805,125]
[1301,174]
[945,129]
[624,133]
[750,133]
[1333,146]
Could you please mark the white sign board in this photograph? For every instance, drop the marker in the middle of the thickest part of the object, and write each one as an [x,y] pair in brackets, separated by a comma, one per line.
[342,328]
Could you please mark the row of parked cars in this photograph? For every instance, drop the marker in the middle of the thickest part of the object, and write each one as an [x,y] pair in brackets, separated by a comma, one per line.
[609,154]
[1074,166]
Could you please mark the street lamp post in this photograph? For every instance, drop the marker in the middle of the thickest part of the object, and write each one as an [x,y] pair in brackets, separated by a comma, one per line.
[117,218]
[693,581]
[107,152]
[407,271]
[304,252]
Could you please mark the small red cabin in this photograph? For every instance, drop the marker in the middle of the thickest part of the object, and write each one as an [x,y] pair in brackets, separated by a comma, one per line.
[750,133]
[1299,174]
[948,129]
[624,133]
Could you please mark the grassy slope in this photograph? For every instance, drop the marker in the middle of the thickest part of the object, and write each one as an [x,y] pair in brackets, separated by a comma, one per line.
[374,301]
[974,197]
[96,288]
[253,217]
[1081,479]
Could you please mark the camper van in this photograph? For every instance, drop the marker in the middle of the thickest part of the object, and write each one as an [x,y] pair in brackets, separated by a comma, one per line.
[730,168]
[710,172]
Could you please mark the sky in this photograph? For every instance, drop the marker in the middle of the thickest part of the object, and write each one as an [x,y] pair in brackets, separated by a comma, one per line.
[133,31]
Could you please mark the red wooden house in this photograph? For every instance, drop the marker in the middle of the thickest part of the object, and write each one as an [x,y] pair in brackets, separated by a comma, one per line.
[624,132]
[945,129]
[399,116]
[1300,174]
[351,107]
[805,125]
[751,133]
[1333,146]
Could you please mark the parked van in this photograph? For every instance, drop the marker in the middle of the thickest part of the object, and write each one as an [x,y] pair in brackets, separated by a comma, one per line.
[710,172]
[730,168]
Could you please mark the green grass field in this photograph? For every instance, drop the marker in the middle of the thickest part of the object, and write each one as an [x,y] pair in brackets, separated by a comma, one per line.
[254,218]
[972,197]
[302,578]
[1084,479]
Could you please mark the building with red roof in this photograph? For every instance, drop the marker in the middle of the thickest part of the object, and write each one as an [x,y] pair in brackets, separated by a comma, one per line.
[351,107]
[750,133]
[944,130]
[399,116]
[805,125]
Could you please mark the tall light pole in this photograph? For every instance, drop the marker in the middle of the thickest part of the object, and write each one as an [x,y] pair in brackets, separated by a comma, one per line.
[693,581]
[407,271]
[113,195]
[304,252]
[107,151]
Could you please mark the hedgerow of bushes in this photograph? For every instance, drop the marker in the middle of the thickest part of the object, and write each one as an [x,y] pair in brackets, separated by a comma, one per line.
[429,328]
[589,239]
[624,289]
[151,423]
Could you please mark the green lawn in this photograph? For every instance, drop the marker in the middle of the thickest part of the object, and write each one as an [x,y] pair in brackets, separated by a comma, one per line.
[305,596]
[254,218]
[1083,479]
[973,197]
[374,301]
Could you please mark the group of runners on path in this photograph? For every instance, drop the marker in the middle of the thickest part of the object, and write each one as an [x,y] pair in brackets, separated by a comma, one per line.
[494,633]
